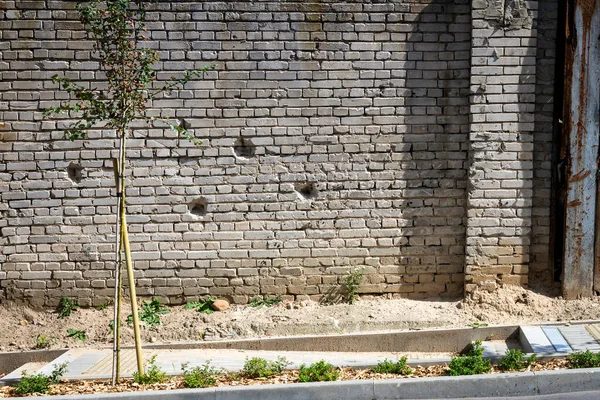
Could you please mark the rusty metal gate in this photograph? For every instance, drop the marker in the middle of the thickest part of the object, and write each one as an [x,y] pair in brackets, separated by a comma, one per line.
[579,149]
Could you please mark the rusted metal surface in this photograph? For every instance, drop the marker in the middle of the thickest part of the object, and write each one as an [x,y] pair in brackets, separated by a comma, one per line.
[581,135]
[597,241]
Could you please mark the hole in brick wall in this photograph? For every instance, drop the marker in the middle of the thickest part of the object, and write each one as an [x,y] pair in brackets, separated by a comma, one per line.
[198,206]
[244,148]
[74,172]
[307,190]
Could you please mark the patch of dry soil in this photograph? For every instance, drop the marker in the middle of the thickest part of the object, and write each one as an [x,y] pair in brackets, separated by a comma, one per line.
[508,305]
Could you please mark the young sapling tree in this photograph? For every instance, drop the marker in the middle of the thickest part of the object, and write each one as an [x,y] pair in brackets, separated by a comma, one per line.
[118,30]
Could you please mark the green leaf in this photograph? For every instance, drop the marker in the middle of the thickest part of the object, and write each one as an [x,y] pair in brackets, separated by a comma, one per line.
[203,306]
[76,334]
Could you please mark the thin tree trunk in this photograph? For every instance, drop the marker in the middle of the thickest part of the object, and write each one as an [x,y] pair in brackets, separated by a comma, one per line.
[128,262]
[117,295]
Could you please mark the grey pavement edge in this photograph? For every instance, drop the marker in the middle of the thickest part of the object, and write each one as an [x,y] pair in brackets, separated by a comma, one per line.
[515,385]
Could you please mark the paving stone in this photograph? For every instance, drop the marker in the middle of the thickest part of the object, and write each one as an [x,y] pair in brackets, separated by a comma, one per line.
[557,339]
[534,340]
[494,349]
[579,338]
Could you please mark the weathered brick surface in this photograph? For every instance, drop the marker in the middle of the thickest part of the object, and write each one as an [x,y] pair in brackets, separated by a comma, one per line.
[541,270]
[503,73]
[335,134]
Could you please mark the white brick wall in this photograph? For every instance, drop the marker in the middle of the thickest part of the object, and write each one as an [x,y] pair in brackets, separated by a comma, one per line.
[501,136]
[335,134]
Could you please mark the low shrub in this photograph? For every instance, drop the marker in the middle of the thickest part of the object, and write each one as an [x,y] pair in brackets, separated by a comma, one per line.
[153,374]
[389,367]
[584,359]
[320,371]
[471,363]
[514,360]
[199,377]
[352,283]
[39,383]
[257,367]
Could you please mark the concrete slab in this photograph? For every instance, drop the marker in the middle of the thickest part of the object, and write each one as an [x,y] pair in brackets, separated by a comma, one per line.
[31,368]
[579,338]
[494,349]
[566,381]
[426,341]
[348,390]
[13,360]
[534,340]
[516,384]
[557,339]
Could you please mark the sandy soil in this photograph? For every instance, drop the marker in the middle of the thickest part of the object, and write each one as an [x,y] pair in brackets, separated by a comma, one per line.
[509,305]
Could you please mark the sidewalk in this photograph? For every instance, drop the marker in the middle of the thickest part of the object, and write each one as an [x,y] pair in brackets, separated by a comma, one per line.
[97,363]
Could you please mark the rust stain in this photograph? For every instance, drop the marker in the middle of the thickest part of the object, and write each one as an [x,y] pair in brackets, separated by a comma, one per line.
[574,203]
[581,175]
[583,76]
[587,10]
[572,34]
[568,23]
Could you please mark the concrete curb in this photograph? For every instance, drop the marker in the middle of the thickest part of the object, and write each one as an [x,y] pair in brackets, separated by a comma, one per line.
[395,341]
[13,360]
[519,384]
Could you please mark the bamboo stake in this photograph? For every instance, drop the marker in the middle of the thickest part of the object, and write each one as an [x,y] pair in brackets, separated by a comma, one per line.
[128,262]
[119,302]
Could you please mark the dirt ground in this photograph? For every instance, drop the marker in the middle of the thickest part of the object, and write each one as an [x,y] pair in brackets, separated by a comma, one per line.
[509,305]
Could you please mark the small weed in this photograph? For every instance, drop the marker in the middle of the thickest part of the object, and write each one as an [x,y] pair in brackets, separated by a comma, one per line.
[42,341]
[76,334]
[264,301]
[66,307]
[39,383]
[389,367]
[235,376]
[471,363]
[584,359]
[152,375]
[476,325]
[514,361]
[199,377]
[320,371]
[111,325]
[102,306]
[257,367]
[352,283]
[203,306]
[150,313]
